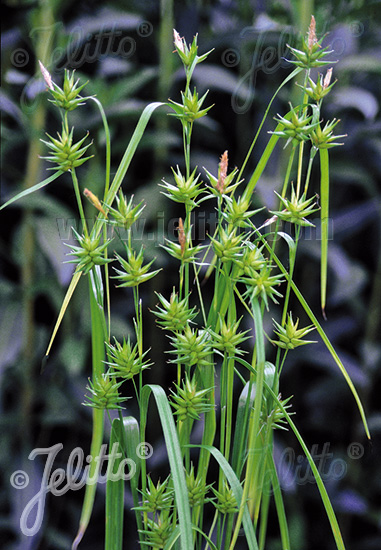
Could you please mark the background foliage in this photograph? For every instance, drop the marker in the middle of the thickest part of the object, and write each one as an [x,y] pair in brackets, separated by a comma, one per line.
[125,50]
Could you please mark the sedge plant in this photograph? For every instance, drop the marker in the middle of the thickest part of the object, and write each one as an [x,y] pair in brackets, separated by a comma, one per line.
[209,349]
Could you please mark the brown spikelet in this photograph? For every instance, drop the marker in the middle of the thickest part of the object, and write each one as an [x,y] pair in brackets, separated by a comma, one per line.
[222,172]
[312,38]
[94,201]
[181,236]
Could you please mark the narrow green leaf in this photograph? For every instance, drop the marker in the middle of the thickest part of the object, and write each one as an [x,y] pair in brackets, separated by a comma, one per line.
[33,189]
[245,404]
[324,217]
[325,339]
[294,73]
[108,142]
[237,491]
[176,534]
[88,502]
[131,444]
[126,160]
[323,492]
[98,338]
[253,461]
[174,457]
[279,504]
[114,493]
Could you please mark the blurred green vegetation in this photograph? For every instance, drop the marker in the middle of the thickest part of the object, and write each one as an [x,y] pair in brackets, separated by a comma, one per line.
[125,50]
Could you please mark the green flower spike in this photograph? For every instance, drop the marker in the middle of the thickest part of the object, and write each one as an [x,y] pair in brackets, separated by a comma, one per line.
[188,402]
[158,532]
[296,210]
[125,215]
[67,97]
[104,393]
[89,254]
[297,128]
[186,191]
[226,502]
[262,283]
[197,489]
[190,109]
[252,258]
[156,497]
[311,55]
[124,359]
[237,213]
[191,347]
[188,54]
[134,272]
[322,87]
[290,337]
[63,152]
[228,339]
[175,314]
[228,246]
[324,138]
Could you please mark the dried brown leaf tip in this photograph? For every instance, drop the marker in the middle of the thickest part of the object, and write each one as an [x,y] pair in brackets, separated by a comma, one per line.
[46,75]
[181,236]
[222,172]
[94,201]
[312,38]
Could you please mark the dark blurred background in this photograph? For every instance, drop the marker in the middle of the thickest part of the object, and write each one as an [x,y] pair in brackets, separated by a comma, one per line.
[125,51]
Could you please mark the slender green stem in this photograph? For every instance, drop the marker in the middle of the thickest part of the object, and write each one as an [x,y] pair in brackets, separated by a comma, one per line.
[254,421]
[79,200]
